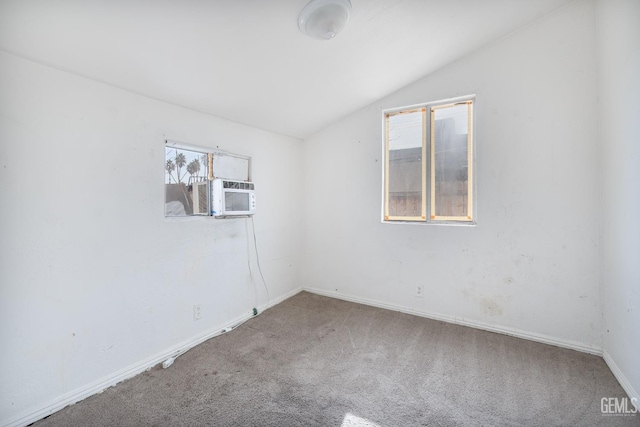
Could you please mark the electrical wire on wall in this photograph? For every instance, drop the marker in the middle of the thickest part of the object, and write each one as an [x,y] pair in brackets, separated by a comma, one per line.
[255,246]
[246,227]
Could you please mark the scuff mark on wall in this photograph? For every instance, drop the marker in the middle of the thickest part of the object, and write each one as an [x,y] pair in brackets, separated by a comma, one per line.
[490,307]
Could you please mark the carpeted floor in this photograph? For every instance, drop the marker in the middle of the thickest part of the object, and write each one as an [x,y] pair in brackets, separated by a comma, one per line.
[317,361]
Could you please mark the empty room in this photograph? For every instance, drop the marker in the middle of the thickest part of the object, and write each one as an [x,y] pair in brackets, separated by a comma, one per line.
[339,213]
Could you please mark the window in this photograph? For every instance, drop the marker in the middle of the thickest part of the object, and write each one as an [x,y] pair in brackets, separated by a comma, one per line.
[185,180]
[428,175]
[192,174]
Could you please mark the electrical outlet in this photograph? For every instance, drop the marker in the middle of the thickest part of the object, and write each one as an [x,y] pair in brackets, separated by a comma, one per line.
[419,291]
[197,312]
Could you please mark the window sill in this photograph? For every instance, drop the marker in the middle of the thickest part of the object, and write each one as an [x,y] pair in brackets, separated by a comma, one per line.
[439,223]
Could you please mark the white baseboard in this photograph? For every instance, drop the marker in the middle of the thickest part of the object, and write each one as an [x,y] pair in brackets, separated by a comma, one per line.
[622,379]
[532,336]
[33,415]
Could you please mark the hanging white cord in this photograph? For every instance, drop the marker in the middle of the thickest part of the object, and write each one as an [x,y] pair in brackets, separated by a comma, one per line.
[255,245]
[246,227]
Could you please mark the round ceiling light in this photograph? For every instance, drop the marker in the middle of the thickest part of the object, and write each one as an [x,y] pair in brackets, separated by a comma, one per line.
[323,19]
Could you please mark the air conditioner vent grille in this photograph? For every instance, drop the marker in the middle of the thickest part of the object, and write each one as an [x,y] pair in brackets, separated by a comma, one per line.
[238,185]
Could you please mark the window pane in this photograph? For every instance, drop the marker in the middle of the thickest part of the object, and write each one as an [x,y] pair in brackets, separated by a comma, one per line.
[185,172]
[405,164]
[451,161]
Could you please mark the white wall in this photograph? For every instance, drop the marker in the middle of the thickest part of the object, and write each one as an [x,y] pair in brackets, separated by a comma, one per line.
[531,266]
[94,282]
[619,72]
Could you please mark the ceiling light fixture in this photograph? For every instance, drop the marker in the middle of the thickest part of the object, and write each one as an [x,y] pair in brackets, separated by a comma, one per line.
[323,19]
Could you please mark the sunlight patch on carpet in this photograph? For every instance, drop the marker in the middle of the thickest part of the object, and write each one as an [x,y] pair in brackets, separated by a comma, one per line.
[351,420]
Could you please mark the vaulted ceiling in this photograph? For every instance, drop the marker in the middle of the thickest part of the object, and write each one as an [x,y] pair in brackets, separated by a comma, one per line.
[246,61]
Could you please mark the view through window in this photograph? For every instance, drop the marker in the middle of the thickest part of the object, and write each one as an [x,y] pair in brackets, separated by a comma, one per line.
[185,179]
[428,174]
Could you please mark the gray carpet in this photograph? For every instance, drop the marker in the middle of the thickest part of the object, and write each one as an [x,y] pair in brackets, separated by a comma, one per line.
[317,361]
